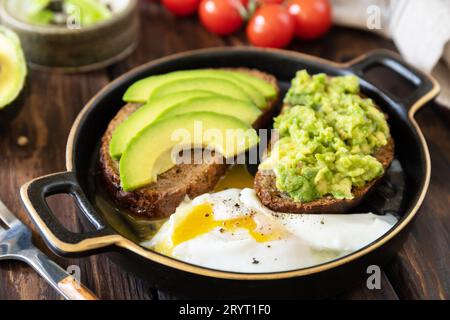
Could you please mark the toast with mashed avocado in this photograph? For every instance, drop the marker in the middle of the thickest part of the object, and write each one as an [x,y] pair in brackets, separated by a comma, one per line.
[161,198]
[333,146]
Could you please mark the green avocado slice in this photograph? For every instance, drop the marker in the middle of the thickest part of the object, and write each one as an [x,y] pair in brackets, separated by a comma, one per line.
[247,112]
[227,135]
[267,89]
[13,68]
[145,115]
[141,90]
[218,86]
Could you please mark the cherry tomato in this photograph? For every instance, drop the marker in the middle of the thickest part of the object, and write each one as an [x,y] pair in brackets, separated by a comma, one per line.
[312,17]
[271,26]
[181,8]
[222,17]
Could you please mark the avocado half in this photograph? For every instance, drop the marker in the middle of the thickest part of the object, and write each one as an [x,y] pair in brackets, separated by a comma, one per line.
[13,72]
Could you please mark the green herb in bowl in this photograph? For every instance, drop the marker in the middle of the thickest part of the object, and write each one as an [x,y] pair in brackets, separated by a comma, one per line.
[64,12]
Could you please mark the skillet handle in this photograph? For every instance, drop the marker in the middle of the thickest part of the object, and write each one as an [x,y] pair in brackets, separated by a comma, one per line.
[424,86]
[57,237]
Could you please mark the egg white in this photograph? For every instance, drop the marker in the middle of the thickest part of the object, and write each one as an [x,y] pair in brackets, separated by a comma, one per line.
[290,241]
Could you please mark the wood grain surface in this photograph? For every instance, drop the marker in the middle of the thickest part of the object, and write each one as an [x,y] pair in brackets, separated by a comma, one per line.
[34,145]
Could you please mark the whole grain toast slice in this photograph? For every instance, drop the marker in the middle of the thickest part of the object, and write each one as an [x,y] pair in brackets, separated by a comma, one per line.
[271,197]
[161,198]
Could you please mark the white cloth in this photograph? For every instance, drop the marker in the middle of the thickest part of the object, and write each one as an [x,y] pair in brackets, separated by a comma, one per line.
[420,29]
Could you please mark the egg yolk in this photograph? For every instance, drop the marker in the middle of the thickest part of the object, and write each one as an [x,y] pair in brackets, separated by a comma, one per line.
[200,220]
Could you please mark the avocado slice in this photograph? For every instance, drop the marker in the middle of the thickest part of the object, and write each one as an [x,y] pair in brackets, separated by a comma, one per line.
[13,69]
[262,86]
[139,163]
[141,90]
[247,112]
[218,86]
[146,115]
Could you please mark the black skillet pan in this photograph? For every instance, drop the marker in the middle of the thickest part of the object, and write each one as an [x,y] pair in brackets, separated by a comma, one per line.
[412,170]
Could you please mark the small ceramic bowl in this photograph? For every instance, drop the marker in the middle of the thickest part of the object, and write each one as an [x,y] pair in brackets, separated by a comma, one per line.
[76,50]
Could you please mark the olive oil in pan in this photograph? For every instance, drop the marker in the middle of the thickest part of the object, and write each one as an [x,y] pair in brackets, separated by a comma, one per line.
[237,176]
[127,223]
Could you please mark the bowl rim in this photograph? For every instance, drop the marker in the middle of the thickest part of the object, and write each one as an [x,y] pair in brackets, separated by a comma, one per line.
[57,30]
[125,243]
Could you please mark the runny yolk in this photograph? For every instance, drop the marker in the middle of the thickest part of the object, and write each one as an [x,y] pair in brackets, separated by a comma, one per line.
[200,220]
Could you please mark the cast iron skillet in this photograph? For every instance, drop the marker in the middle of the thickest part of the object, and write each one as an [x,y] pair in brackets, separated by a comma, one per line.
[193,281]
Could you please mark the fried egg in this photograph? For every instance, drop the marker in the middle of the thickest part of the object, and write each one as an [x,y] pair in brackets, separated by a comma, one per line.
[232,231]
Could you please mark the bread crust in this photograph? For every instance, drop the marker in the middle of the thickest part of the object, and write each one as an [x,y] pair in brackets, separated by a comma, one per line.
[271,197]
[161,198]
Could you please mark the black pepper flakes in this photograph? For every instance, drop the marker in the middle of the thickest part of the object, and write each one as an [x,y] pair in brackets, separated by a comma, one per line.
[255,261]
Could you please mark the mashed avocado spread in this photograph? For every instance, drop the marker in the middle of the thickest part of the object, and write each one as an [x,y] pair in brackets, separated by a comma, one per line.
[326,138]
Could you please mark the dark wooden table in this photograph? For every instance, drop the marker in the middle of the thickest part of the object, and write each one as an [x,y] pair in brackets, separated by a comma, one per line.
[421,269]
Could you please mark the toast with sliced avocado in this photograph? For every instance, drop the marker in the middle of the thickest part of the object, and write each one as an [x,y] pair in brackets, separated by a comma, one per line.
[333,145]
[161,197]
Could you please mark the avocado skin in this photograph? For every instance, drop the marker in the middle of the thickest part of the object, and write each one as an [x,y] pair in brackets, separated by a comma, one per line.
[9,112]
